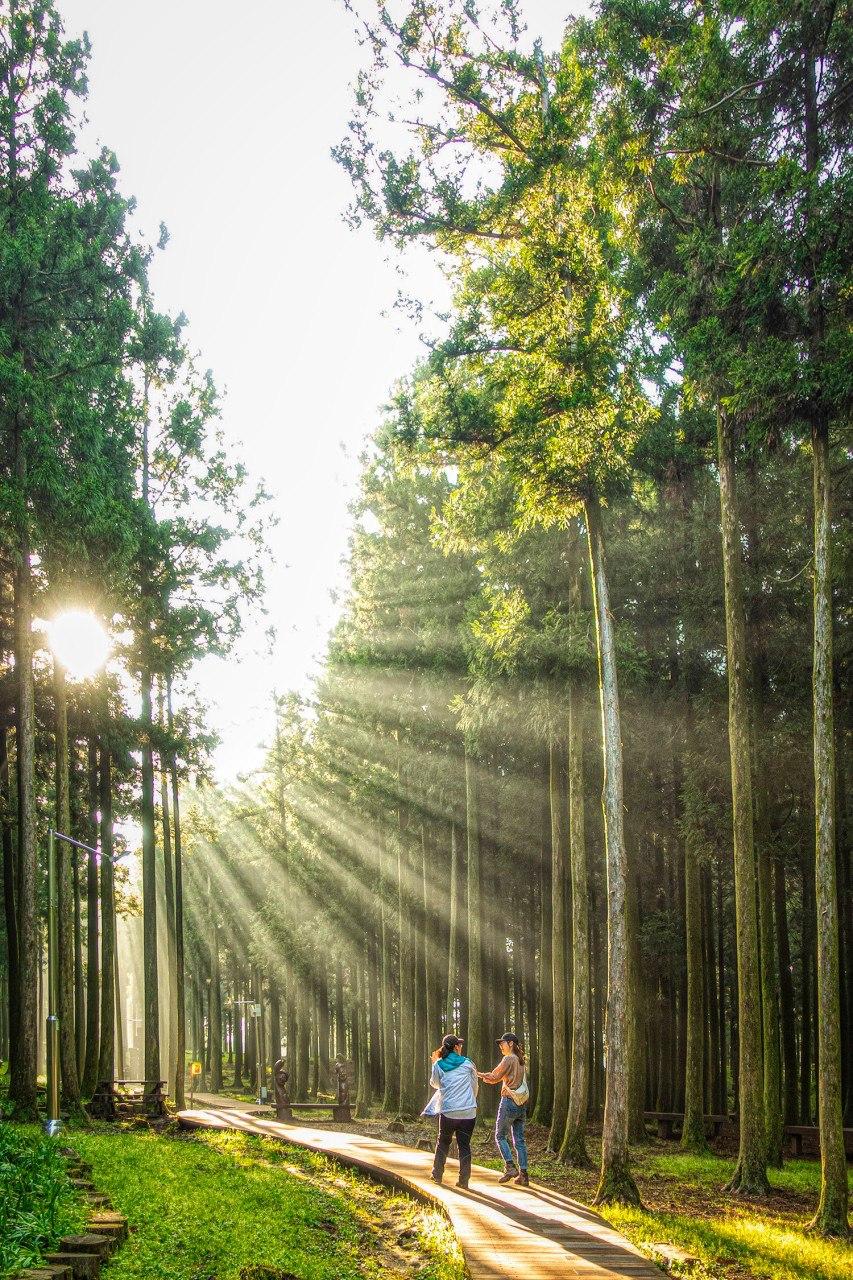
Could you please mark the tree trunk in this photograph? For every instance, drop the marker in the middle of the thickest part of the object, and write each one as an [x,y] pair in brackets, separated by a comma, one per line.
[712,1083]
[693,1133]
[807,929]
[477,1047]
[616,1184]
[79,982]
[65,898]
[558,788]
[786,992]
[573,1150]
[151,1001]
[451,1024]
[275,1022]
[215,1008]
[10,896]
[391,1064]
[237,1028]
[406,1048]
[750,1177]
[545,1044]
[169,903]
[180,1012]
[831,1216]
[721,992]
[93,985]
[106,1048]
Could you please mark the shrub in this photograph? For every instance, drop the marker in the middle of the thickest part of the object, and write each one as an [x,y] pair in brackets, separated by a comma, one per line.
[37,1201]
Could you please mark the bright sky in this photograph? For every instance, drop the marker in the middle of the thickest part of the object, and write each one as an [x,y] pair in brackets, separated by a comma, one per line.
[222,117]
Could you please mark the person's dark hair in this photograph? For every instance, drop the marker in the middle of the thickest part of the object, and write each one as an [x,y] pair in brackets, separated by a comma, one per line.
[519,1053]
[448,1045]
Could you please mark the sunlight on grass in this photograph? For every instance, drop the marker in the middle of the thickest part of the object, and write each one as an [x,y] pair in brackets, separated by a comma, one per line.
[211,1205]
[757,1238]
[763,1247]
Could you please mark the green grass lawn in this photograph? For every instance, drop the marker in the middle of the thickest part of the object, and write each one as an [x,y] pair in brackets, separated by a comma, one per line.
[212,1206]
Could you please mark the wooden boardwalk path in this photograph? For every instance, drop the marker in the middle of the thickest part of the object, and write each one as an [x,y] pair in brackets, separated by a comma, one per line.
[533,1234]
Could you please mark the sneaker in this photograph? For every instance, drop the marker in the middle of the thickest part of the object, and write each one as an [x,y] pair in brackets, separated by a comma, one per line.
[508,1174]
[436,1177]
[522,1180]
[463,1185]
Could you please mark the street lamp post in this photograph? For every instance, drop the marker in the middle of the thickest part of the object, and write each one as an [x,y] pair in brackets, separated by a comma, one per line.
[53,1123]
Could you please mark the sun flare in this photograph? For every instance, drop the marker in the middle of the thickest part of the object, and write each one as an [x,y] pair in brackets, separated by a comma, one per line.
[80,643]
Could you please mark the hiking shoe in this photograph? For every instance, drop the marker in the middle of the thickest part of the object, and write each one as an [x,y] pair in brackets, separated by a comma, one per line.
[522,1180]
[436,1177]
[508,1175]
[463,1185]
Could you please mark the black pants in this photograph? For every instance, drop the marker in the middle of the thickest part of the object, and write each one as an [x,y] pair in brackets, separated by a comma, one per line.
[448,1128]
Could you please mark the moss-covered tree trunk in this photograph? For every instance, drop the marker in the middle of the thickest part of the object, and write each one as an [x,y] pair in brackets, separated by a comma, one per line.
[391,1066]
[558,791]
[65,897]
[750,1177]
[693,1133]
[786,991]
[180,1004]
[450,1013]
[616,1184]
[9,892]
[573,1149]
[831,1216]
[545,1020]
[477,1046]
[405,933]
[93,925]
[169,906]
[106,1046]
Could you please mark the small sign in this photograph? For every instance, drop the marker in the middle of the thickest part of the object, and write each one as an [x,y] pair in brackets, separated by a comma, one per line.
[195,1069]
[255,1010]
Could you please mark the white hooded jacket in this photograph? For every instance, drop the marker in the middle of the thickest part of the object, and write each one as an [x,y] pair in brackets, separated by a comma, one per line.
[455,1091]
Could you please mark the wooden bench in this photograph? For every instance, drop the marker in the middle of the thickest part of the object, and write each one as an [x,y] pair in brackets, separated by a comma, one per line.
[340,1106]
[668,1121]
[798,1132]
[113,1099]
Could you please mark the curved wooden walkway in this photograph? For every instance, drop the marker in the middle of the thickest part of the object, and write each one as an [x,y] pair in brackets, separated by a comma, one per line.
[533,1234]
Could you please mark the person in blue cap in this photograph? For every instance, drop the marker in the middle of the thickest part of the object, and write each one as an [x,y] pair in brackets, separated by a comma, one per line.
[454,1079]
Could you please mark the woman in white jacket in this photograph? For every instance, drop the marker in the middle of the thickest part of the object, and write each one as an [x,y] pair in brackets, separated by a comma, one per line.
[454,1079]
